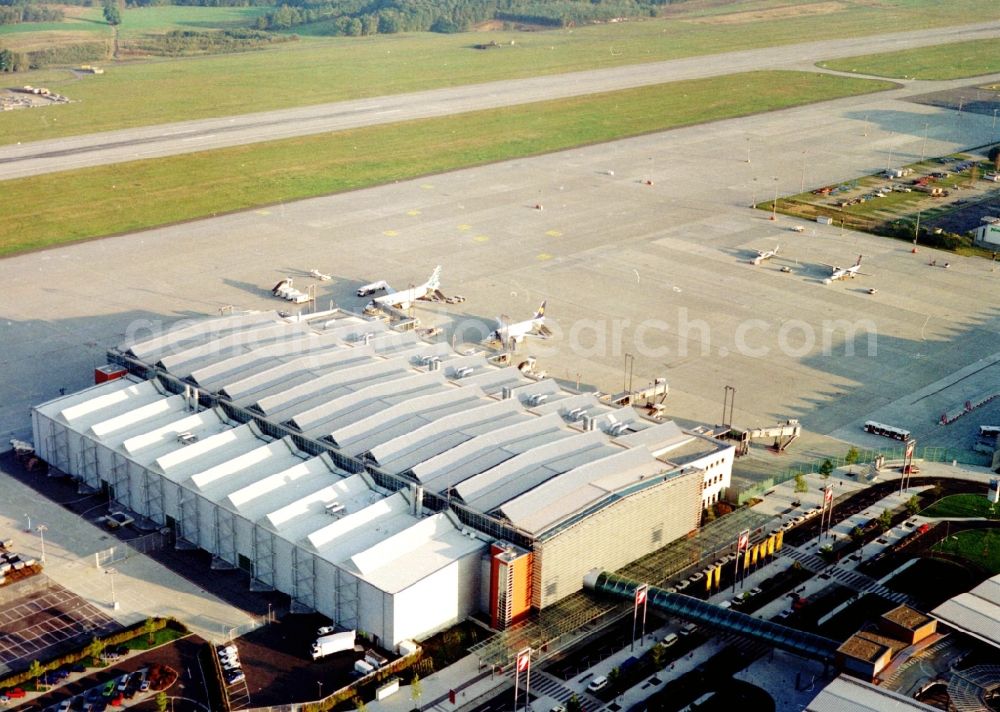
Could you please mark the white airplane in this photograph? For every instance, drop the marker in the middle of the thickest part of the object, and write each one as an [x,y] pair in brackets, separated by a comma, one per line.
[765,255]
[406,297]
[535,326]
[844,272]
[321,276]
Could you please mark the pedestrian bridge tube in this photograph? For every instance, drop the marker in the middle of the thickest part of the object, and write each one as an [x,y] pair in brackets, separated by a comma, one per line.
[695,610]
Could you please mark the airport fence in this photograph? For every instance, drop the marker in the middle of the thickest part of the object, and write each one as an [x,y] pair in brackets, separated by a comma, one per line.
[154,541]
[863,463]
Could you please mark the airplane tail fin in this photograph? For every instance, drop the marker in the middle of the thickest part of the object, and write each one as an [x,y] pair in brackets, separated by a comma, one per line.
[435,279]
[776,248]
[858,263]
[541,312]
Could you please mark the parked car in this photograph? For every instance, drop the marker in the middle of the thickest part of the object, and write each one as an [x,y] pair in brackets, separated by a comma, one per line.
[234,676]
[325,630]
[597,684]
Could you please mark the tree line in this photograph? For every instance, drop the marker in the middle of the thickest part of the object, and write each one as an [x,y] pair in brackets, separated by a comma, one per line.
[13,14]
[369,17]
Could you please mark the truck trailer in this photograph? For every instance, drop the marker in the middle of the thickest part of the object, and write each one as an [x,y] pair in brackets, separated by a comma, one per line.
[333,643]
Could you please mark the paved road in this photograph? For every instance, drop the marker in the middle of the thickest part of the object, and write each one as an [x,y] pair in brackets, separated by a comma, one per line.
[40,157]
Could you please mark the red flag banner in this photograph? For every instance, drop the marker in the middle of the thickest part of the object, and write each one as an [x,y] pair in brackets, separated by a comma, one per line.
[640,595]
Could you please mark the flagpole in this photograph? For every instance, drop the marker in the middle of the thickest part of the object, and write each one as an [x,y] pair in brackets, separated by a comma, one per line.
[645,602]
[527,684]
[635,614]
[517,673]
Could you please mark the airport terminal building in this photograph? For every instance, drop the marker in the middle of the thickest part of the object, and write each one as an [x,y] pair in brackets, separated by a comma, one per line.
[392,484]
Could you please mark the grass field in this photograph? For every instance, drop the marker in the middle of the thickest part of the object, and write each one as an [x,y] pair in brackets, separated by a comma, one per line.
[63,207]
[963,505]
[980,546]
[157,20]
[948,61]
[319,70]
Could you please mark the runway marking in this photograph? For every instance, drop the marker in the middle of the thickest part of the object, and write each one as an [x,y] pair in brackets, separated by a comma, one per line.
[553,233]
[413,213]
[263,212]
[544,256]
[463,227]
[426,186]
[390,233]
[481,238]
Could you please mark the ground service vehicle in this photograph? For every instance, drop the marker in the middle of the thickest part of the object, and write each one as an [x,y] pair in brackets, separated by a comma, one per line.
[333,643]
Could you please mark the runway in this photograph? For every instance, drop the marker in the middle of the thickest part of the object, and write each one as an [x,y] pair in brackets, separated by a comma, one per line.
[36,158]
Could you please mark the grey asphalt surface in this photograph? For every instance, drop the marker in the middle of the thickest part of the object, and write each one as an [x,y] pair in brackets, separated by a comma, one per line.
[18,161]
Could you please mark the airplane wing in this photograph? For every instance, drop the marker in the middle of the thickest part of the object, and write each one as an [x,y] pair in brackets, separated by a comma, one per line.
[832,267]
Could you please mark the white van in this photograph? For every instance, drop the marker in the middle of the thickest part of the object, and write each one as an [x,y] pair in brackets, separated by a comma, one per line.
[688,628]
[669,639]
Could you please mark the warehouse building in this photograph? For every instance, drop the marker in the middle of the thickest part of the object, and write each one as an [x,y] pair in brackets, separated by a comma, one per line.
[367,473]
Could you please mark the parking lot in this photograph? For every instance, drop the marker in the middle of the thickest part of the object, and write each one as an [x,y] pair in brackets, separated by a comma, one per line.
[188,692]
[42,624]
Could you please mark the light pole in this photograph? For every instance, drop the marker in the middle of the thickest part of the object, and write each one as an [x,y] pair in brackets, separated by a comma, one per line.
[889,161]
[994,124]
[802,187]
[774,205]
[28,517]
[753,202]
[114,599]
[41,529]
[319,684]
[923,146]
[748,146]
[916,230]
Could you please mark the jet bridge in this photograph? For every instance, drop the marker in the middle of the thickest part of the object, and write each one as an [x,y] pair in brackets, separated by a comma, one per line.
[783,433]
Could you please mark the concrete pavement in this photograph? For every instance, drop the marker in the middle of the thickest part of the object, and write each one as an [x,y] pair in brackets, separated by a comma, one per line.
[142,586]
